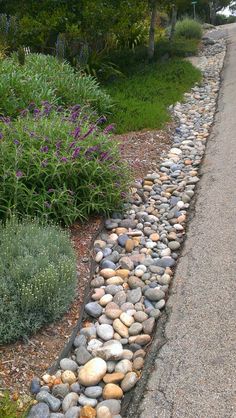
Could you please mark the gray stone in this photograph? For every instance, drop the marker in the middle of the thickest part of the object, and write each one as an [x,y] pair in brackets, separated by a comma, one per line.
[105,332]
[154,294]
[134,295]
[111,350]
[35,386]
[129,381]
[112,289]
[122,239]
[84,400]
[113,405]
[97,282]
[93,309]
[107,264]
[148,325]
[135,328]
[134,282]
[73,412]
[68,364]
[57,415]
[126,263]
[53,403]
[82,355]
[70,400]
[166,262]
[61,390]
[154,313]
[89,331]
[75,387]
[80,340]
[120,297]
[93,391]
[41,410]
[174,245]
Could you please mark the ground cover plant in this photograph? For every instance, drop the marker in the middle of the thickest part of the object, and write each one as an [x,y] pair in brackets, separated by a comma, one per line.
[9,407]
[142,99]
[58,165]
[44,77]
[37,277]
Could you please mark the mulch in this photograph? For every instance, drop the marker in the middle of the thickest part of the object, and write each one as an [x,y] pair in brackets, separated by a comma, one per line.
[20,361]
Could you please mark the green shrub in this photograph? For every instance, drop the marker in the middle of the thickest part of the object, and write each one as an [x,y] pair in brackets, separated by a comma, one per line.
[189,29]
[9,408]
[44,77]
[58,165]
[37,277]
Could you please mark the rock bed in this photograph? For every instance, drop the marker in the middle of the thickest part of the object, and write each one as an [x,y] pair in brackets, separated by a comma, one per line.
[135,260]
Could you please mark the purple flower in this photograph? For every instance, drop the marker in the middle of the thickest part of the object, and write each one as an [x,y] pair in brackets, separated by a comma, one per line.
[101,120]
[36,112]
[76,152]
[58,145]
[44,163]
[75,108]
[31,106]
[47,204]
[51,190]
[109,128]
[92,149]
[76,132]
[91,129]
[32,134]
[19,174]
[71,192]
[44,149]
[1,136]
[16,142]
[64,159]
[72,144]
[104,156]
[24,113]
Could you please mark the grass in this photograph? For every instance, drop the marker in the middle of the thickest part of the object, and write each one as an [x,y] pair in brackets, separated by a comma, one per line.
[142,98]
[9,408]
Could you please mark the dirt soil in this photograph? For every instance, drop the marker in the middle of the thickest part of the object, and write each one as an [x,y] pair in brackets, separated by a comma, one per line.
[20,361]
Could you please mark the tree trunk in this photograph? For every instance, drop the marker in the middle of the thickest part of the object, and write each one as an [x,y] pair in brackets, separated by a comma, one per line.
[173,22]
[212,6]
[151,46]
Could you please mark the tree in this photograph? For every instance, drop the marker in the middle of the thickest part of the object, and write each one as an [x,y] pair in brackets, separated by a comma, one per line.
[151,44]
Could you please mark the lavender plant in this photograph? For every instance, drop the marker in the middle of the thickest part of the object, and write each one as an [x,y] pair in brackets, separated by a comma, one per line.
[37,277]
[56,164]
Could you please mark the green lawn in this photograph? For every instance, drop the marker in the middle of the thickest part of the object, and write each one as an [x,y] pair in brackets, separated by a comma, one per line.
[141,99]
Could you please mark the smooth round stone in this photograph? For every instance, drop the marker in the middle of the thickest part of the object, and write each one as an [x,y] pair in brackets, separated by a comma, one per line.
[112,310]
[126,306]
[126,319]
[138,307]
[129,381]
[93,372]
[106,332]
[113,377]
[112,391]
[73,412]
[138,272]
[140,316]
[93,309]
[139,353]
[93,391]
[103,319]
[68,364]
[129,245]
[94,344]
[154,294]
[120,298]
[160,304]
[35,386]
[87,411]
[154,237]
[75,387]
[123,273]
[107,264]
[41,410]
[97,282]
[107,251]
[127,354]
[166,262]
[138,363]
[61,390]
[99,256]
[126,263]
[113,405]
[122,239]
[135,328]
[165,279]
[112,289]
[148,325]
[103,412]
[120,328]
[84,400]
[112,238]
[115,280]
[154,313]
[53,403]
[80,340]
[124,366]
[98,293]
[57,415]
[105,299]
[140,340]
[134,295]
[107,273]
[111,366]
[134,282]
[82,355]
[174,245]
[111,350]
[166,252]
[70,400]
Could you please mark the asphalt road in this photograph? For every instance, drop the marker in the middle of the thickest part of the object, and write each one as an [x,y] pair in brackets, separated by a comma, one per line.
[194,373]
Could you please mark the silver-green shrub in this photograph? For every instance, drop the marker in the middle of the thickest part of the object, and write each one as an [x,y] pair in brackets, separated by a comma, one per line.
[189,29]
[37,277]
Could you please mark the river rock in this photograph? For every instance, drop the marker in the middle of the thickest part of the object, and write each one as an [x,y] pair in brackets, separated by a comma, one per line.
[112,391]
[53,403]
[93,372]
[68,364]
[70,400]
[111,350]
[106,332]
[41,410]
[129,381]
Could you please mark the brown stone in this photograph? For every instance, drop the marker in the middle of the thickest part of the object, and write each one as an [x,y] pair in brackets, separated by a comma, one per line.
[112,391]
[123,273]
[121,231]
[87,412]
[154,237]
[120,328]
[112,310]
[107,273]
[129,245]
[113,377]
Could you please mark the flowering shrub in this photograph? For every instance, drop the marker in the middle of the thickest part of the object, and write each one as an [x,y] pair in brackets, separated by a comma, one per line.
[44,77]
[37,277]
[58,165]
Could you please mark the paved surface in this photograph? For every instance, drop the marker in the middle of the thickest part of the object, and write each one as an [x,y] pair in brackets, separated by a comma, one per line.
[194,375]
